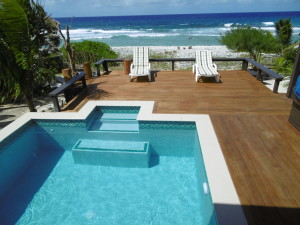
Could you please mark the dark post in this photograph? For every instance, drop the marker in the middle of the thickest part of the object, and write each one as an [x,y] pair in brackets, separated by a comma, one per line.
[98,70]
[245,65]
[173,65]
[276,85]
[83,82]
[258,76]
[105,66]
[55,103]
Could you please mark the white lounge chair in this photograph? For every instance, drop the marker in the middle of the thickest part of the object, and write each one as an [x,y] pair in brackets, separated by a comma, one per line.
[140,65]
[204,66]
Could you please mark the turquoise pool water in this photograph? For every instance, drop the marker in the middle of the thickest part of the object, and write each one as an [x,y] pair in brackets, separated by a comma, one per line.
[53,172]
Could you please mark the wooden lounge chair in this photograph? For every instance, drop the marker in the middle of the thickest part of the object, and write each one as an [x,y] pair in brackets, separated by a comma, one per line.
[140,65]
[204,66]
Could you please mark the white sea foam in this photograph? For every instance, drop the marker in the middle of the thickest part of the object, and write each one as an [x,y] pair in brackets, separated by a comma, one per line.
[151,35]
[272,29]
[268,23]
[100,31]
[228,24]
[296,29]
[92,33]
[80,34]
[224,29]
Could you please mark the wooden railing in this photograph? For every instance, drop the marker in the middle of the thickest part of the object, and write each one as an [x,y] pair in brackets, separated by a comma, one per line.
[54,94]
[245,64]
[261,68]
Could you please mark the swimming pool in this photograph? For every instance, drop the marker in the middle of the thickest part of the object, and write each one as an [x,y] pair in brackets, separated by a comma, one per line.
[106,165]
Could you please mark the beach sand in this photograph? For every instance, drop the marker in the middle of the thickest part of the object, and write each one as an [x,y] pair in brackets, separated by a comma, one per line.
[181,51]
[185,52]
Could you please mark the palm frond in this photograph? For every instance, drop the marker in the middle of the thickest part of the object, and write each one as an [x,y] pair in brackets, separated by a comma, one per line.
[14,23]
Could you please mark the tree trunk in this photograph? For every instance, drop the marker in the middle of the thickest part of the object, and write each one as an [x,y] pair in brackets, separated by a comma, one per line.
[29,100]
[70,52]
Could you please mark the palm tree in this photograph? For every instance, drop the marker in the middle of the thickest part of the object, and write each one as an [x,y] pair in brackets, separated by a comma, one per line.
[284,30]
[27,37]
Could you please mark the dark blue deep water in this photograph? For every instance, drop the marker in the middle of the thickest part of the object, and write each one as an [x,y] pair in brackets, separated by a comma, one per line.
[171,30]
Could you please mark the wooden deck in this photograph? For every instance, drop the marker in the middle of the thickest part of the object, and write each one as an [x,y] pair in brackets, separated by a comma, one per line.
[261,148]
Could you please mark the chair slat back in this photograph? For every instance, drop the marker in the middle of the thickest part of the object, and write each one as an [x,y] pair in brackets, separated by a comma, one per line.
[208,58]
[210,63]
[205,63]
[198,57]
[141,60]
[135,55]
[146,56]
[203,58]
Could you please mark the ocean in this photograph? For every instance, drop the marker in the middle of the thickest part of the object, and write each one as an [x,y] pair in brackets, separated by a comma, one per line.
[171,30]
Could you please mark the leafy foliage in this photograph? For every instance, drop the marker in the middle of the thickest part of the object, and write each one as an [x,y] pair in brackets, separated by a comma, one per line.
[28,38]
[252,40]
[90,51]
[285,64]
[284,31]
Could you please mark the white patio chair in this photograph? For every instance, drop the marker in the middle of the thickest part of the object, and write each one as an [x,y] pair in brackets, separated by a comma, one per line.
[204,66]
[140,65]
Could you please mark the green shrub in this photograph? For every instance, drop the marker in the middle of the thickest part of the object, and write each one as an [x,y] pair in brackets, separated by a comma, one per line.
[252,40]
[90,51]
[285,64]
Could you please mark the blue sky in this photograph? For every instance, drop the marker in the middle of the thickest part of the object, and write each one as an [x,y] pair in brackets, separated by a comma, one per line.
[67,8]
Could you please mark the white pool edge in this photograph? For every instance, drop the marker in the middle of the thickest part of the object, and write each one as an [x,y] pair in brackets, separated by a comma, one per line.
[223,192]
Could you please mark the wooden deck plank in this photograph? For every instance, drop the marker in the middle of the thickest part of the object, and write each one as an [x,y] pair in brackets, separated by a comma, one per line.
[260,146]
[177,92]
[261,161]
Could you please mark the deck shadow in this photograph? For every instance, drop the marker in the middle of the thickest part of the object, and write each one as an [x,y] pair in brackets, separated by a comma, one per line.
[261,215]
[90,93]
[209,80]
[257,215]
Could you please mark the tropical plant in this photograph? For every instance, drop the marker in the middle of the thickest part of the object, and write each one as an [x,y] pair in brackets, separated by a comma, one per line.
[255,41]
[28,37]
[285,64]
[284,31]
[90,51]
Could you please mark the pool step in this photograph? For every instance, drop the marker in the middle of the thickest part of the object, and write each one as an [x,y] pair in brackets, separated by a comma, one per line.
[111,153]
[115,122]
[115,125]
[119,116]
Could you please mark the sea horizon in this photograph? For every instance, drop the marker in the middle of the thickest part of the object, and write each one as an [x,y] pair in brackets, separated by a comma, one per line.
[171,14]
[171,29]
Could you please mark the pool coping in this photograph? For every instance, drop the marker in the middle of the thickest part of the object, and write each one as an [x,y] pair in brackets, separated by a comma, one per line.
[225,199]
